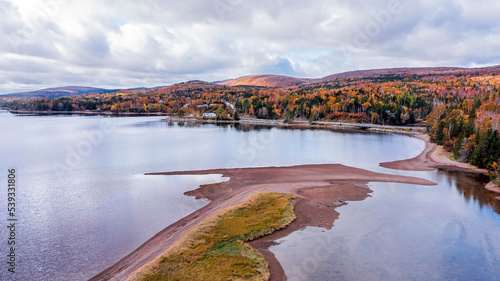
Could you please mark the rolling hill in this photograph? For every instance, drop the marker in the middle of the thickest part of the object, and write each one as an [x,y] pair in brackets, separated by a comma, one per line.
[56,92]
[278,81]
[273,81]
[267,81]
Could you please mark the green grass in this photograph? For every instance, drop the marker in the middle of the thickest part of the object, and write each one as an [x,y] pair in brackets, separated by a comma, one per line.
[215,250]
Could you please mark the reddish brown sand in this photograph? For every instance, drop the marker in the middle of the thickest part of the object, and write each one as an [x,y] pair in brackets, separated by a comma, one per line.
[492,187]
[432,158]
[315,206]
[320,188]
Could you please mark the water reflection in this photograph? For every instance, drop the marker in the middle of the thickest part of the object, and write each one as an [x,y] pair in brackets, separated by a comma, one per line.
[251,127]
[472,188]
[106,198]
[403,232]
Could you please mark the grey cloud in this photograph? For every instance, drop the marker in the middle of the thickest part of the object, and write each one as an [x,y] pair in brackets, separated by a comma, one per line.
[90,50]
[23,79]
[280,66]
[11,65]
[10,24]
[150,43]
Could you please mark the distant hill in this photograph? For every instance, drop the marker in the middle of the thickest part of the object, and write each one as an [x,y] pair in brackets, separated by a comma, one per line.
[410,71]
[277,81]
[270,81]
[56,92]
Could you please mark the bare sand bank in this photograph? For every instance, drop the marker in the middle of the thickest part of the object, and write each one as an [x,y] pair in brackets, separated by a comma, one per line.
[432,158]
[492,187]
[435,157]
[320,189]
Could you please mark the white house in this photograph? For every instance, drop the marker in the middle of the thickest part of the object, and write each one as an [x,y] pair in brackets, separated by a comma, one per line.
[209,115]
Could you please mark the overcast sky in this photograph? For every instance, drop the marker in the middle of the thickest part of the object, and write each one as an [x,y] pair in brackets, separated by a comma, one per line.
[130,43]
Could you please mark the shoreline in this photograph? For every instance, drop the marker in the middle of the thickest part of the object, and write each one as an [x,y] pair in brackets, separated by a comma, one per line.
[93,113]
[302,124]
[316,187]
[320,189]
[493,188]
[297,124]
[434,157]
[275,208]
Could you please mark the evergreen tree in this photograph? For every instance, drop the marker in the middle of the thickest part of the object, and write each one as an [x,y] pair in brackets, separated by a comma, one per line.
[439,136]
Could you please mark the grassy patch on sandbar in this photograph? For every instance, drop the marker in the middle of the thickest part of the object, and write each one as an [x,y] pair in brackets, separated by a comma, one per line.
[215,250]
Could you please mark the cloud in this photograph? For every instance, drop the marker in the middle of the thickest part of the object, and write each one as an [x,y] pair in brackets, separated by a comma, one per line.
[120,44]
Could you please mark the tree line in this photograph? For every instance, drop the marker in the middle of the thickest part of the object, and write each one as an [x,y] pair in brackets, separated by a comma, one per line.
[461,111]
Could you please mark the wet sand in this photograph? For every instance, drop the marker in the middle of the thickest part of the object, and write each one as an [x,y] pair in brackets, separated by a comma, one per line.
[320,189]
[493,188]
[432,158]
[315,207]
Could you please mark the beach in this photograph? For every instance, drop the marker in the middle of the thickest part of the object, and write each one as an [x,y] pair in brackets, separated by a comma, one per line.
[432,158]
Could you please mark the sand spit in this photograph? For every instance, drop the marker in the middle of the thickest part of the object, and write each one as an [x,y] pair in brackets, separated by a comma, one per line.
[320,189]
[432,158]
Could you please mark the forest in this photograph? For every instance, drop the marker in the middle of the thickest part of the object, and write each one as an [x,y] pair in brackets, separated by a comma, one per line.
[469,129]
[460,110]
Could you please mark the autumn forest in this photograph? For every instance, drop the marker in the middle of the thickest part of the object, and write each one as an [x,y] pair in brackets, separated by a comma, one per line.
[460,108]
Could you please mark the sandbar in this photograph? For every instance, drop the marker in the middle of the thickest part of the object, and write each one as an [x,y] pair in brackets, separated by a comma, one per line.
[320,189]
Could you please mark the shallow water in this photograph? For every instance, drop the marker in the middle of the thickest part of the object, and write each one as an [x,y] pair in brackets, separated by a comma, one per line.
[84,202]
[402,232]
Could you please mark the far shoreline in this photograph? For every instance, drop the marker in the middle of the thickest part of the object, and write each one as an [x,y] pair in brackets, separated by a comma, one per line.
[296,124]
[437,159]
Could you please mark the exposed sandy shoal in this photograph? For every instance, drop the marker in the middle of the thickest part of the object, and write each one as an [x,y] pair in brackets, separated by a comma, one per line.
[320,188]
[432,158]
[315,207]
[492,187]
[435,157]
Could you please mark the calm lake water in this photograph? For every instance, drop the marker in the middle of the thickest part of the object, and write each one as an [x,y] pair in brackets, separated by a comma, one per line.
[84,202]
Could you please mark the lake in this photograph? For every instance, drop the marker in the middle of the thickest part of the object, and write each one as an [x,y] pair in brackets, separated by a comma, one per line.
[83,201]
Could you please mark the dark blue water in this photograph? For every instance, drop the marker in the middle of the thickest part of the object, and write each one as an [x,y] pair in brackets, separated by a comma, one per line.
[84,203]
